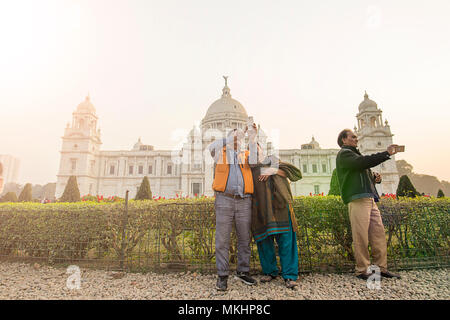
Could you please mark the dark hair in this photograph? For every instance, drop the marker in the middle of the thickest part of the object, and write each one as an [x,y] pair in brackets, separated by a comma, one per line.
[342,135]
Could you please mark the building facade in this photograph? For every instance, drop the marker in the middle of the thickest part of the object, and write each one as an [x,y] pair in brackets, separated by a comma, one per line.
[9,170]
[185,172]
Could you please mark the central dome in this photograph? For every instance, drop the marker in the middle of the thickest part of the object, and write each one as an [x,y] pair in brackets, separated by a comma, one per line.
[226,106]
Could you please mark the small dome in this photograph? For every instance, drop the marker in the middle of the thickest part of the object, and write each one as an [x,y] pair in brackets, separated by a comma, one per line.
[195,132]
[137,145]
[86,106]
[367,104]
[312,145]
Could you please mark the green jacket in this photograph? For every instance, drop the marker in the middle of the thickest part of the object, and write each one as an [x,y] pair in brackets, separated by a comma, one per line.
[355,177]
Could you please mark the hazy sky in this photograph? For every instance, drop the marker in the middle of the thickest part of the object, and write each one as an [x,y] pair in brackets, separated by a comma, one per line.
[153,68]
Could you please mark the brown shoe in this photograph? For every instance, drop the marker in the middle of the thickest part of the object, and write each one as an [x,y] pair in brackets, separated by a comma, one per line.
[267,278]
[290,284]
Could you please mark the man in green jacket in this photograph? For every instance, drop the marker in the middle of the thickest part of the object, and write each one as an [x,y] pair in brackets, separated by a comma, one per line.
[357,185]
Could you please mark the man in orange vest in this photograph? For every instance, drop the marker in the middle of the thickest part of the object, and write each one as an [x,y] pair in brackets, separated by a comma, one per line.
[233,186]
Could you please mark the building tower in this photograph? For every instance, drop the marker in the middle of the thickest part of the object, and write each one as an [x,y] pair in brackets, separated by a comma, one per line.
[375,136]
[80,149]
[1,177]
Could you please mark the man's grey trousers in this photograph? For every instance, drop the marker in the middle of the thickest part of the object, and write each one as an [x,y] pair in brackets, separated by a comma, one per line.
[228,209]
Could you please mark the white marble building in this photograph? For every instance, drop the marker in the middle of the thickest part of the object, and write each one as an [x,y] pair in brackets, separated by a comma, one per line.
[188,171]
[9,170]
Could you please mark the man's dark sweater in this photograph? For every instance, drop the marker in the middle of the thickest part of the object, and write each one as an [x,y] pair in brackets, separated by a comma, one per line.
[355,177]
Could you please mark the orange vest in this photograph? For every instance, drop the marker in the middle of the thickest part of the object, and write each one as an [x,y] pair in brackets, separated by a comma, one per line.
[223,169]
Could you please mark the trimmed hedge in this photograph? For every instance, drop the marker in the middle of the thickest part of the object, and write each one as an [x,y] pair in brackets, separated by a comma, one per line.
[154,235]
[71,191]
[144,192]
[405,188]
[9,197]
[334,185]
[26,194]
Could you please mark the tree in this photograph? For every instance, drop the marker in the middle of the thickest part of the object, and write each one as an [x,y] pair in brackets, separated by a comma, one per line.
[404,168]
[48,191]
[37,191]
[405,188]
[440,194]
[26,194]
[144,192]
[9,197]
[422,182]
[334,185]
[71,192]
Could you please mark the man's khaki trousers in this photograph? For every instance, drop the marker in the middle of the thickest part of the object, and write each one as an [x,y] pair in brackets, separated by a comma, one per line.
[367,228]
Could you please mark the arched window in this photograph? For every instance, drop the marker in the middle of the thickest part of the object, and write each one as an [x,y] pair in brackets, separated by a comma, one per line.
[373,122]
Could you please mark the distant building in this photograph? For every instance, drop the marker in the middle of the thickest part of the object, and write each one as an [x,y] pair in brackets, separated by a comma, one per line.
[9,170]
[186,172]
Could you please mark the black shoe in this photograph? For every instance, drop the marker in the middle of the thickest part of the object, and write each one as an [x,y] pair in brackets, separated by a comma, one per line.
[245,278]
[364,276]
[388,274]
[221,284]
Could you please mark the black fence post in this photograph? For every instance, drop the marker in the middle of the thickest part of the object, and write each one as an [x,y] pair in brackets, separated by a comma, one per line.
[124,226]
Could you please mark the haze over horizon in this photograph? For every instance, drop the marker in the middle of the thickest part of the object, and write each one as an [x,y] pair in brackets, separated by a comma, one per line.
[152,69]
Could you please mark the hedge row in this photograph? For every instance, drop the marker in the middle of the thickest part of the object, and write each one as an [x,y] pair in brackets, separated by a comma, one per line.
[156,234]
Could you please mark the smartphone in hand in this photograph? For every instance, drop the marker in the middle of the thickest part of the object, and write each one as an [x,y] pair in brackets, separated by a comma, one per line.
[399,148]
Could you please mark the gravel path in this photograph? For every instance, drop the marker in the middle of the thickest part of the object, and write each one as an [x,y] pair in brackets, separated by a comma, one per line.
[26,281]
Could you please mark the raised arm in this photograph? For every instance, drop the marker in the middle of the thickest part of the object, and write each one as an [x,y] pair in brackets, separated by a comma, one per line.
[349,159]
[215,147]
[255,154]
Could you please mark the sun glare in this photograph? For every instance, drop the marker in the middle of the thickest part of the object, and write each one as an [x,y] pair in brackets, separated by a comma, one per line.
[31,30]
